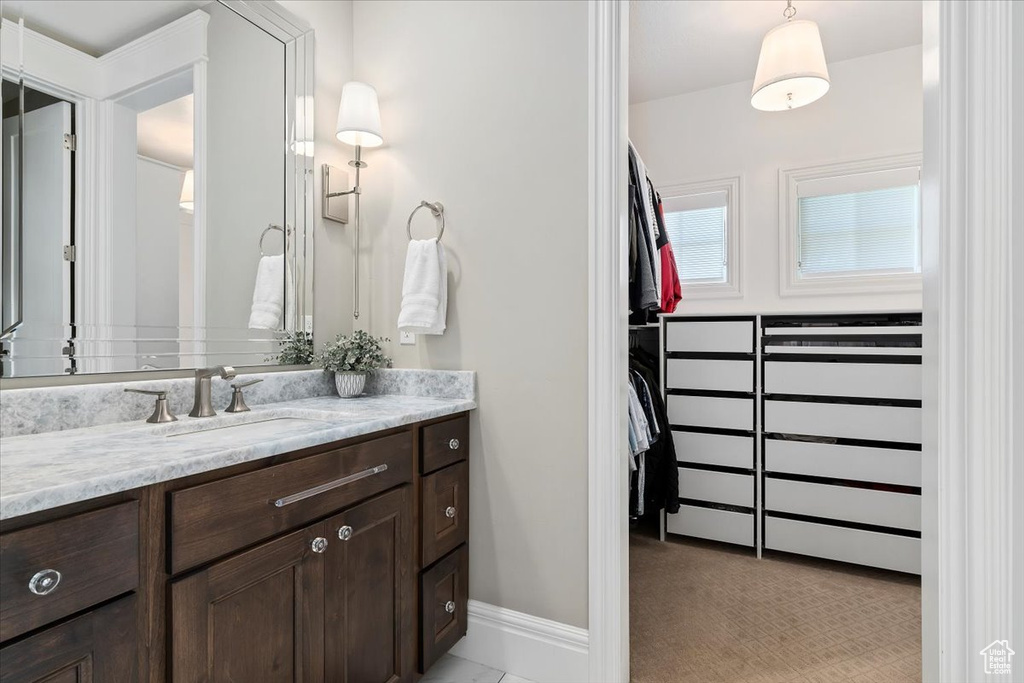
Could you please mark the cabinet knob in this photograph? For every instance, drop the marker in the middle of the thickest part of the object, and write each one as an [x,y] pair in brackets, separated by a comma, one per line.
[449,512]
[319,544]
[453,444]
[44,582]
[345,532]
[449,607]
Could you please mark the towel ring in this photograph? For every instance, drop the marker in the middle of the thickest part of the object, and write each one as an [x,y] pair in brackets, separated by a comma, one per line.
[268,229]
[436,208]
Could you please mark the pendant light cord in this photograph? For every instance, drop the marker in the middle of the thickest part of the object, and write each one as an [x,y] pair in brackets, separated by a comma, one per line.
[790,11]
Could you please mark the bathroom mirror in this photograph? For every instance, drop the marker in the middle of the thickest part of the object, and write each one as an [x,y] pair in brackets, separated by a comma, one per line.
[157,185]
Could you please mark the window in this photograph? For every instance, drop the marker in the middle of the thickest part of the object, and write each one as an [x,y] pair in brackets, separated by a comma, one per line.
[851,227]
[701,220]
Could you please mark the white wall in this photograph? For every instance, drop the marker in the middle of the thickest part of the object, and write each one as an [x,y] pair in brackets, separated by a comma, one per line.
[873,109]
[484,107]
[332,283]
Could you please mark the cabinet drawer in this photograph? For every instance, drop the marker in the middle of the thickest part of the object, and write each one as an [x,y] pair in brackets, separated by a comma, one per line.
[882,465]
[214,519]
[100,645]
[863,380]
[845,420]
[716,487]
[867,506]
[58,568]
[444,511]
[715,525]
[715,375]
[714,449]
[886,551]
[707,336]
[444,593]
[444,443]
[708,411]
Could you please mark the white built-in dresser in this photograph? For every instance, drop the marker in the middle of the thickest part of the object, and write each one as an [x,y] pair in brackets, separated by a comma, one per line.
[799,433]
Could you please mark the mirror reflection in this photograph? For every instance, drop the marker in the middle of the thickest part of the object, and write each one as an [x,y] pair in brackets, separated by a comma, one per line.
[155,211]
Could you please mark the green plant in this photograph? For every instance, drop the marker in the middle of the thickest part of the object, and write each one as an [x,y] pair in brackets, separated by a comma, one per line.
[357,353]
[296,349]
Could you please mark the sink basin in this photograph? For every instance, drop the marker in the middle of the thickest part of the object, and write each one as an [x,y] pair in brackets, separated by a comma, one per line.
[256,430]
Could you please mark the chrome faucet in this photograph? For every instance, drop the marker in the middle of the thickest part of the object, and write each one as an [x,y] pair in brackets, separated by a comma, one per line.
[203,406]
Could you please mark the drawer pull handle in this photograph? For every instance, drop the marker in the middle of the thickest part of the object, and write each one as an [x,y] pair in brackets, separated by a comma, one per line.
[44,582]
[319,545]
[453,444]
[345,532]
[449,512]
[317,490]
[449,607]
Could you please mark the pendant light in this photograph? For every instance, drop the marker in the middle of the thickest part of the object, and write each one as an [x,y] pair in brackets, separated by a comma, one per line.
[791,69]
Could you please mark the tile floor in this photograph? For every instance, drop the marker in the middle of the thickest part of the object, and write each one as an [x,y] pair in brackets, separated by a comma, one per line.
[452,669]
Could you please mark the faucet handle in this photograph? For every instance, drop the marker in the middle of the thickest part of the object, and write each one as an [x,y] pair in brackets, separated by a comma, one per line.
[161,412]
[237,404]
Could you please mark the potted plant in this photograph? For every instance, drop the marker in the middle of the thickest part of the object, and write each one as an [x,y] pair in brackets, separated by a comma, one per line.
[351,358]
[296,349]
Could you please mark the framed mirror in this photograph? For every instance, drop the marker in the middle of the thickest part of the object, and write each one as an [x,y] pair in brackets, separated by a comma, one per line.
[157,186]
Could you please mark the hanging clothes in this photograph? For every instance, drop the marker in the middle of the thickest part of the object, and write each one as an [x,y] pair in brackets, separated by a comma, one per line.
[660,488]
[671,285]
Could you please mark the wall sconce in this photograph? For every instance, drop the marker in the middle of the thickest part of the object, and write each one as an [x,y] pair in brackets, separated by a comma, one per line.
[359,126]
[187,200]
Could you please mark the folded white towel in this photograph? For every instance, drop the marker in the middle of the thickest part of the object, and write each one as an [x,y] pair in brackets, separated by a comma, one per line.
[425,288]
[268,294]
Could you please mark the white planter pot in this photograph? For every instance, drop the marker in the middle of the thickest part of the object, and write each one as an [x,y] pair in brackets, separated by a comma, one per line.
[350,384]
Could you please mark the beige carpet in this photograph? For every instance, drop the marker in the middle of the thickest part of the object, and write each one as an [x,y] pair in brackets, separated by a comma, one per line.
[706,613]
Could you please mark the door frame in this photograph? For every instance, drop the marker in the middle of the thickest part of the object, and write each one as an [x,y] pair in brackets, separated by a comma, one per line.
[973,314]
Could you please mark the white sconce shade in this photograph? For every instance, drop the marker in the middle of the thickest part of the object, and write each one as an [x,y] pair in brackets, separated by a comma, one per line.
[359,116]
[188,191]
[791,69]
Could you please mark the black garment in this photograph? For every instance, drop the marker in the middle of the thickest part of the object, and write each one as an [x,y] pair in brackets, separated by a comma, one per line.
[661,485]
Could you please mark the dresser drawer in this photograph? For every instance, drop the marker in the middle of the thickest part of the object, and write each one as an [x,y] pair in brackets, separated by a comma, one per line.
[715,525]
[844,503]
[714,449]
[710,336]
[444,594]
[845,420]
[886,551]
[714,375]
[835,461]
[55,569]
[708,411]
[716,487]
[444,443]
[444,511]
[214,519]
[860,380]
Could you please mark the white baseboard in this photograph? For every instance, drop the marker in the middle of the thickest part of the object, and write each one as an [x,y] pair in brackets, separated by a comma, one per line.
[538,649]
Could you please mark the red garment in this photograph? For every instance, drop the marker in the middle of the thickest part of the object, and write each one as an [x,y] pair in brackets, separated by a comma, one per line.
[671,287]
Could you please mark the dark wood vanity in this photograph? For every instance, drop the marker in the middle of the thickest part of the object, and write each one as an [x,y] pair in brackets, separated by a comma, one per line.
[345,562]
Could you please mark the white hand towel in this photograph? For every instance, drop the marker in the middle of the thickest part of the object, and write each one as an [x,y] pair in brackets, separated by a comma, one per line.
[268,295]
[425,288]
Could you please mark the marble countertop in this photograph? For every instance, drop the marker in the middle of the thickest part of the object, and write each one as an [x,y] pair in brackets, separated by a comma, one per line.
[42,471]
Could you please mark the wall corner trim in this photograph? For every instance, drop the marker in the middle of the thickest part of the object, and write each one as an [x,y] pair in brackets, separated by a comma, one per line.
[524,645]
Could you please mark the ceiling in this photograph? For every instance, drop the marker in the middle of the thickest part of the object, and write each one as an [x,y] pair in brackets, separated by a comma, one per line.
[97,26]
[165,132]
[678,47]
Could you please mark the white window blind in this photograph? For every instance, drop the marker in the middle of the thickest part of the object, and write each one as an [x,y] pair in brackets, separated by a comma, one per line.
[866,232]
[697,226]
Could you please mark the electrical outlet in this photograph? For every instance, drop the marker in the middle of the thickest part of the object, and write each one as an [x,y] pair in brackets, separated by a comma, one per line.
[406,338]
[309,324]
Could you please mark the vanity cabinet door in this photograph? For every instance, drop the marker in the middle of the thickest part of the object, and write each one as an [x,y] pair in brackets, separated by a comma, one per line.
[257,616]
[98,646]
[369,622]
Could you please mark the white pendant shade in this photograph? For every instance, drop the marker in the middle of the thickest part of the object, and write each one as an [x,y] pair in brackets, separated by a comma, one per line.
[188,191]
[359,116]
[791,70]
